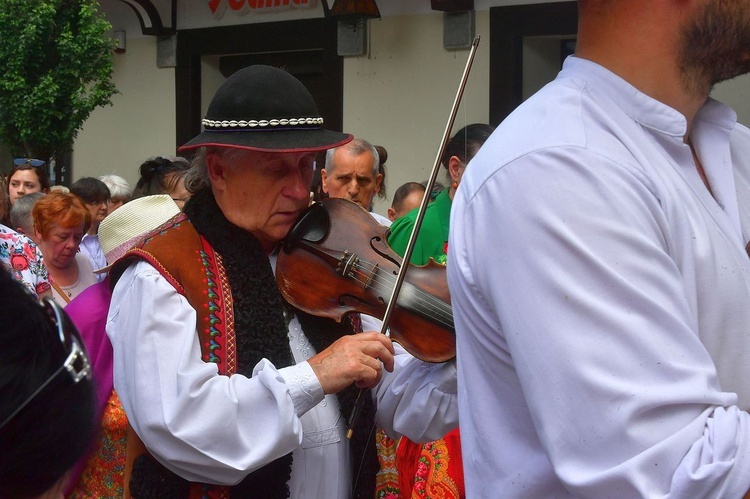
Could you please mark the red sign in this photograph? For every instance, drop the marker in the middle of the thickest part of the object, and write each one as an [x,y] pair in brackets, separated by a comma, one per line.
[244,6]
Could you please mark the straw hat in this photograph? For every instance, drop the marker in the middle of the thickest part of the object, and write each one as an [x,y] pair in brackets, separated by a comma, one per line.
[264,108]
[129,224]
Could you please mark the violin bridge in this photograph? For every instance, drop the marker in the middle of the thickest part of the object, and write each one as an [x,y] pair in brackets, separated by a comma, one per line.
[352,269]
[371,276]
[348,260]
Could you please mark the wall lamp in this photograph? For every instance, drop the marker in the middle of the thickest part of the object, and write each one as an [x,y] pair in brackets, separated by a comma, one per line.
[354,13]
[119,36]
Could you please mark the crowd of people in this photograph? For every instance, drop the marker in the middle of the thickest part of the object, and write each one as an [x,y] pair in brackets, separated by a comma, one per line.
[58,244]
[599,277]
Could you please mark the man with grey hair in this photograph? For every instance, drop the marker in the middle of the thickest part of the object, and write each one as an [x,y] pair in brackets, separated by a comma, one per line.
[352,172]
[20,214]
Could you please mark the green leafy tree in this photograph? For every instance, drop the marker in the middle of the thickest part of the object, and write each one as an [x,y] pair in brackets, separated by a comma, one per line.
[57,68]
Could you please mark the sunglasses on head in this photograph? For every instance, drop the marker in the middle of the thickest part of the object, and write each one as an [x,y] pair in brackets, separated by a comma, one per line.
[29,161]
[76,363]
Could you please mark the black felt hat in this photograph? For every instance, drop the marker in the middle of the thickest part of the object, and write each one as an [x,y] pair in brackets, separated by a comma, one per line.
[264,108]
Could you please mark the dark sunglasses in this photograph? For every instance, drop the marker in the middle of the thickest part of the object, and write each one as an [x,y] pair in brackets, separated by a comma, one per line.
[27,161]
[76,363]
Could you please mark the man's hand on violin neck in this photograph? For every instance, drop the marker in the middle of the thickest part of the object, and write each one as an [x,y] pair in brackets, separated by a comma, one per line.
[357,358]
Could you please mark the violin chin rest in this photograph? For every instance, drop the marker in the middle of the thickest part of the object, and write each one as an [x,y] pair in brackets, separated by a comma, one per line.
[312,226]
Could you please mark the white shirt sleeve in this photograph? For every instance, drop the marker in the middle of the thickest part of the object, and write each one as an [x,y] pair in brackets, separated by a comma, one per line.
[200,425]
[418,399]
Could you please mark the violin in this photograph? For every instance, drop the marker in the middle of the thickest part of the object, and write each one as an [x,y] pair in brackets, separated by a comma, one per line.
[335,261]
[351,268]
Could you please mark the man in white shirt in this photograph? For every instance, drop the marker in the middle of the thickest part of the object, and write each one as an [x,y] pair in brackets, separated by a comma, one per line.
[599,271]
[226,387]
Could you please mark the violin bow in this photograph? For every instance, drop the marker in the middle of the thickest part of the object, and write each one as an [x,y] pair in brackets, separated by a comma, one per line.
[428,188]
[420,216]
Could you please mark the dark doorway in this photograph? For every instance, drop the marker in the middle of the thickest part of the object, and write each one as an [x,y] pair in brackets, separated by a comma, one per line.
[305,48]
[509,27]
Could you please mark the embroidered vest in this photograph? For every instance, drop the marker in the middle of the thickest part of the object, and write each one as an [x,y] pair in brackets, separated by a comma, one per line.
[190,265]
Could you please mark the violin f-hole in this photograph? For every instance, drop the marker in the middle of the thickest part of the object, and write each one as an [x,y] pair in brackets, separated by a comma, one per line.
[388,255]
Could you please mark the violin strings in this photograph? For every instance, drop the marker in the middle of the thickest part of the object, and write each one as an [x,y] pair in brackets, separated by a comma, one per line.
[427,306]
[383,284]
[423,299]
[436,310]
[431,306]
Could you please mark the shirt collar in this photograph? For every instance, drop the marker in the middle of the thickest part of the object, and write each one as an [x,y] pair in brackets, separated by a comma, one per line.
[642,108]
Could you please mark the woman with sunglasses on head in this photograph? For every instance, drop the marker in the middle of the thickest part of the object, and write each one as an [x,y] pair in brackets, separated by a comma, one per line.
[28,175]
[20,256]
[46,395]
[60,221]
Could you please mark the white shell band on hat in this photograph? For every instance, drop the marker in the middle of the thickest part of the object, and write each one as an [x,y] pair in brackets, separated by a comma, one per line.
[264,108]
[284,122]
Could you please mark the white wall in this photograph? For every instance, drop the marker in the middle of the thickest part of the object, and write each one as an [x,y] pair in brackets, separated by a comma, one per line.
[400,94]
[139,124]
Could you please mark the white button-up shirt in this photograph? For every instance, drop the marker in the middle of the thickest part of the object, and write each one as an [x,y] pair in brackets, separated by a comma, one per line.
[602,298]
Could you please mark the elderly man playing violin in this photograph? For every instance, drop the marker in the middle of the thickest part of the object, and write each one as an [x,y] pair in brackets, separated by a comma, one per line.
[227,388]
